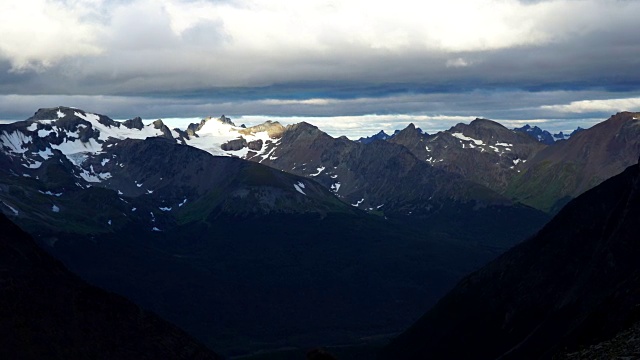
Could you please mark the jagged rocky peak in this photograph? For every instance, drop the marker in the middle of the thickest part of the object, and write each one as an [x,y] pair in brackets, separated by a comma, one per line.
[166,132]
[135,123]
[302,127]
[381,135]
[410,133]
[225,120]
[192,129]
[158,124]
[545,136]
[417,129]
[537,133]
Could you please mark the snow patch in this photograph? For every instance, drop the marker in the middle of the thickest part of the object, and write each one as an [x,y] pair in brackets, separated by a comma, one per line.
[358,203]
[299,186]
[104,161]
[55,209]
[75,147]
[50,193]
[164,208]
[268,155]
[466,138]
[183,202]
[44,133]
[45,154]
[155,229]
[503,144]
[319,171]
[34,165]
[15,141]
[335,187]
[90,176]
[119,132]
[214,133]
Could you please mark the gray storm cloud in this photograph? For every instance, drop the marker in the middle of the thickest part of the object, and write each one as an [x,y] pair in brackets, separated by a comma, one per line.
[505,59]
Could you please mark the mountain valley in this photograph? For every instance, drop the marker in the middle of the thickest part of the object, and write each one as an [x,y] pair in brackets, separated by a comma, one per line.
[226,230]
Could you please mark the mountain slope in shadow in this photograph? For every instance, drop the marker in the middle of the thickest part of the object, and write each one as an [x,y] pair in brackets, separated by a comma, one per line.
[575,283]
[49,313]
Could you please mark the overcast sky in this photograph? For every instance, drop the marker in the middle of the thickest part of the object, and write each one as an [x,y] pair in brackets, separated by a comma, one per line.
[351,67]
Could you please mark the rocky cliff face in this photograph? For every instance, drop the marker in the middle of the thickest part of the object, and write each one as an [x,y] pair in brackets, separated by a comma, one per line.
[379,136]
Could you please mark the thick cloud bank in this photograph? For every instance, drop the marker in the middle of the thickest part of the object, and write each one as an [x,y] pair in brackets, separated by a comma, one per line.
[506,59]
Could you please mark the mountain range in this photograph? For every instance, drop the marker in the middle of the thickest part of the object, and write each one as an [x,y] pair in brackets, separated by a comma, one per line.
[544,136]
[227,230]
[523,169]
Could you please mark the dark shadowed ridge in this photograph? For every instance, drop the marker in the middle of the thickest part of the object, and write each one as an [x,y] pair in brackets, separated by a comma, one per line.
[575,283]
[49,313]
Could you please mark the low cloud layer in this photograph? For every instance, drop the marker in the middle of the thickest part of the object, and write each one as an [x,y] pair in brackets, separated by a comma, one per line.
[553,110]
[512,60]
